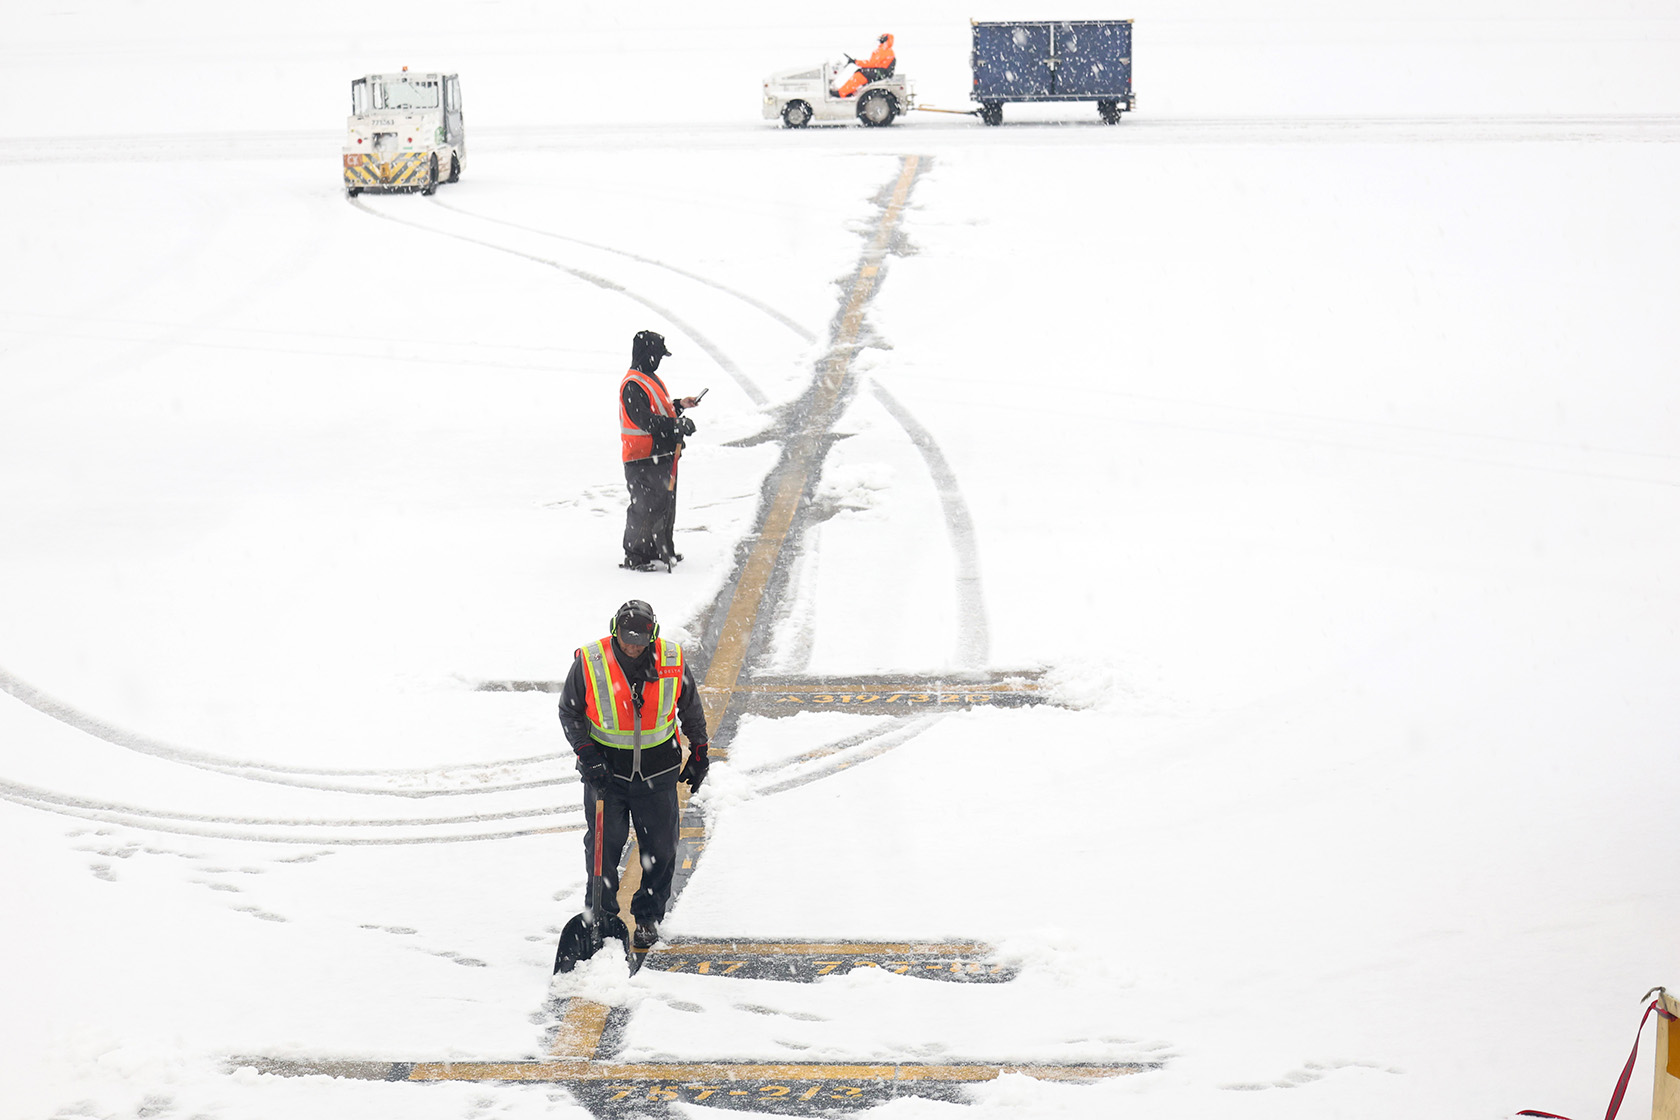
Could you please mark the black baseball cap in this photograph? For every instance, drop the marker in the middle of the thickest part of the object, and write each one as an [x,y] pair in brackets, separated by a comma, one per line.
[635,623]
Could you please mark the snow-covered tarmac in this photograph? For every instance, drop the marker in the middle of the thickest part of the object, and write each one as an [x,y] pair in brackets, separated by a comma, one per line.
[1322,459]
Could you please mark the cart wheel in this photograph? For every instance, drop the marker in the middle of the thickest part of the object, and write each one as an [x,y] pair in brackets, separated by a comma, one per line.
[877,108]
[796,114]
[1109,111]
[991,112]
[454,169]
[431,183]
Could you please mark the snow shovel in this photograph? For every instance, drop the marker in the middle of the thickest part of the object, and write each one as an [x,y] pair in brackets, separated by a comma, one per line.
[587,932]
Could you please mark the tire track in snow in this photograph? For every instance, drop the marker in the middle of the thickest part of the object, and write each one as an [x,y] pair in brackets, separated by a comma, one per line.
[849,752]
[973,635]
[786,321]
[727,364]
[151,820]
[16,791]
[470,774]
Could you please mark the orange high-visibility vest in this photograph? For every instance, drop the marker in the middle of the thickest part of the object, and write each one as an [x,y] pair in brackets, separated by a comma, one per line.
[607,701]
[638,444]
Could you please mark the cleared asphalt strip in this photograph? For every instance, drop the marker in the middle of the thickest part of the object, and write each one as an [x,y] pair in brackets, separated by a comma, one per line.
[581,1024]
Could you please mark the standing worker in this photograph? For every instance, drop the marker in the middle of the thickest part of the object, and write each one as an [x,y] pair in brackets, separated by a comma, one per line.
[651,428]
[620,708]
[876,67]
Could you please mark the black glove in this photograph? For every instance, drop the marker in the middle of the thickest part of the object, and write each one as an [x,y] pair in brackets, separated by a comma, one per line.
[695,771]
[686,425]
[593,767]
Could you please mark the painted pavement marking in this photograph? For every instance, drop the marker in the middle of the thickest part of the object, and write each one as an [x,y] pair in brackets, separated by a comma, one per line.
[805,961]
[902,693]
[638,1088]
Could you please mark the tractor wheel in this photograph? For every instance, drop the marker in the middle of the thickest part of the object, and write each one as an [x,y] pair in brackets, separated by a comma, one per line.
[430,186]
[877,108]
[796,114]
[454,169]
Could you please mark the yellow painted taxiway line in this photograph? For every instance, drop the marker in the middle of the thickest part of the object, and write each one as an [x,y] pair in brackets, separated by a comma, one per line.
[915,689]
[724,673]
[816,948]
[580,1030]
[747,1071]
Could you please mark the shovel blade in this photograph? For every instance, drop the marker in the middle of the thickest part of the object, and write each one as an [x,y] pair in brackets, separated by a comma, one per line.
[578,942]
[581,939]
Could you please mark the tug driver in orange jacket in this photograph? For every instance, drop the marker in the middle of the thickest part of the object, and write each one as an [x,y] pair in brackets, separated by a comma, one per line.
[872,69]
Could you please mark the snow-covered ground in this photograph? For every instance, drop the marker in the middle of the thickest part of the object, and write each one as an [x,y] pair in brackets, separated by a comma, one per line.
[1314,431]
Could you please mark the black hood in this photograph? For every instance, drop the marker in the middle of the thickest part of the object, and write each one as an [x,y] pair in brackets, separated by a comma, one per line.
[645,351]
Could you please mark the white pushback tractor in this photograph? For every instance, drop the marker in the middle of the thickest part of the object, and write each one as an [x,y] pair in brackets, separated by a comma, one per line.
[806,94]
[406,133]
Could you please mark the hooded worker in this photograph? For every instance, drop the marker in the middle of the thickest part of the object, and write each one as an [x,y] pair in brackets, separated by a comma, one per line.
[877,66]
[652,429]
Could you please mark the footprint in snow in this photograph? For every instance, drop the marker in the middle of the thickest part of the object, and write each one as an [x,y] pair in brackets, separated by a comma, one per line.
[306,857]
[259,912]
[803,1017]
[1307,1074]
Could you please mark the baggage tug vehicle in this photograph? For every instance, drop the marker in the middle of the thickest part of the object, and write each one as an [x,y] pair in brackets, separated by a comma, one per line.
[405,133]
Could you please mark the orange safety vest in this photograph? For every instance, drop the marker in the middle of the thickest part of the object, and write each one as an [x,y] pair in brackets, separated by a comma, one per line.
[638,444]
[607,700]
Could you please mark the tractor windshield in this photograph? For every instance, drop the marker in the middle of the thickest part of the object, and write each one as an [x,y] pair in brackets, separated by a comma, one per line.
[404,93]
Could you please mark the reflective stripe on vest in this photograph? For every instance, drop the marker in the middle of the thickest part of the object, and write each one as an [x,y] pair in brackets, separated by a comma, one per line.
[637,443]
[611,709]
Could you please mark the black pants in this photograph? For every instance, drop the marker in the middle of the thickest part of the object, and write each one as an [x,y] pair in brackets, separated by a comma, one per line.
[653,810]
[650,522]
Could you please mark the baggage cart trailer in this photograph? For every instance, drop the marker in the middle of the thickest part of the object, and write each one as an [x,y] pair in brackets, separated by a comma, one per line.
[1059,60]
